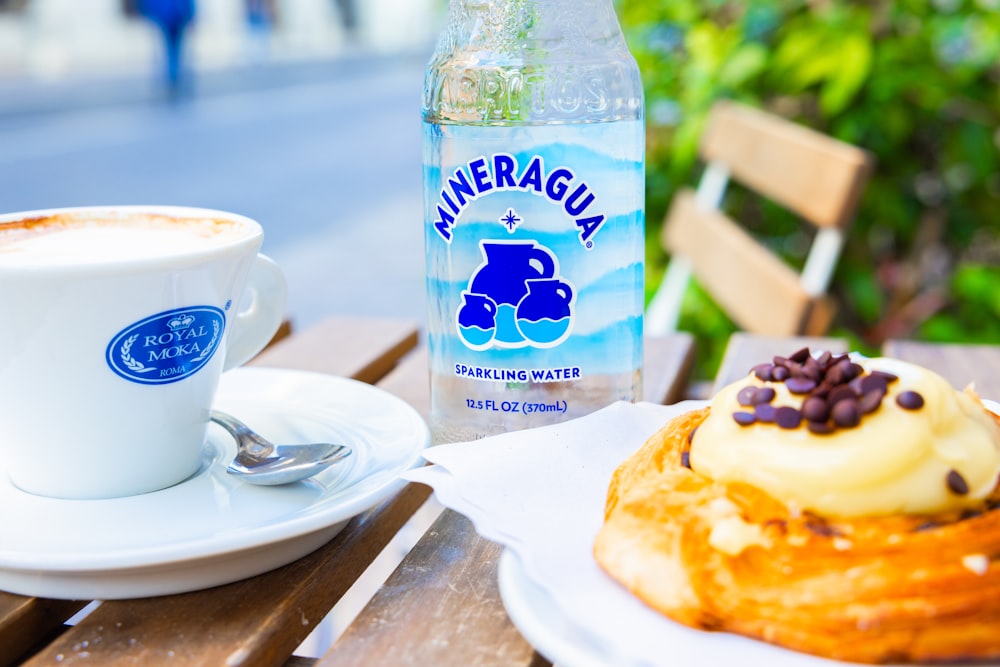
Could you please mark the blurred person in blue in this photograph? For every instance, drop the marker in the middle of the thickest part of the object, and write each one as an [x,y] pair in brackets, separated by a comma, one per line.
[261,15]
[173,18]
[348,16]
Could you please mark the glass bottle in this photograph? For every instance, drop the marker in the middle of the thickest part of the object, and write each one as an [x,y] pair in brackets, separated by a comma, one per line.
[534,215]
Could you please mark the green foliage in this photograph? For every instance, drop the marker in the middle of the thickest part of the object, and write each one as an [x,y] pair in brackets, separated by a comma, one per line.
[973,315]
[916,83]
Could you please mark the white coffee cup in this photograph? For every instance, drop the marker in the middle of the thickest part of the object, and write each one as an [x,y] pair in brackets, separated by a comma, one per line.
[115,326]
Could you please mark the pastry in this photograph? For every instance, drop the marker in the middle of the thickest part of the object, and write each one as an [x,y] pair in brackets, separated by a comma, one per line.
[836,506]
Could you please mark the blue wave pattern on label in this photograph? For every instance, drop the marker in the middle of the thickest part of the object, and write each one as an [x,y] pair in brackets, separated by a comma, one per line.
[167,347]
[588,311]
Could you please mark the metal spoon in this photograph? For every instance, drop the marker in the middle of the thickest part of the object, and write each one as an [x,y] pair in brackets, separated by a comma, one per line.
[261,462]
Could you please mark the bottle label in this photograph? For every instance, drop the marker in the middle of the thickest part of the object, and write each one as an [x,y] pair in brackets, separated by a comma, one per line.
[535,242]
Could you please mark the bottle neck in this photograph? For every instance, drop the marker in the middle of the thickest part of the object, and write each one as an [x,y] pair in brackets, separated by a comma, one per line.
[526,31]
[531,61]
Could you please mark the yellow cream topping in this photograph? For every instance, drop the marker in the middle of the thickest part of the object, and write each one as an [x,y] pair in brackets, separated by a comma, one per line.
[894,461]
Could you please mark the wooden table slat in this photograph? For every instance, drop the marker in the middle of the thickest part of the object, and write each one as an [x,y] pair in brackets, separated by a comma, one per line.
[363,349]
[667,367]
[25,621]
[445,590]
[961,365]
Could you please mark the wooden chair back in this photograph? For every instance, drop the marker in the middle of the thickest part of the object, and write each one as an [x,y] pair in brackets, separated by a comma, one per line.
[813,175]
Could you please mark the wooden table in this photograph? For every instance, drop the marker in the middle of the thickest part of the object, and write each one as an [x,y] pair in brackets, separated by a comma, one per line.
[440,607]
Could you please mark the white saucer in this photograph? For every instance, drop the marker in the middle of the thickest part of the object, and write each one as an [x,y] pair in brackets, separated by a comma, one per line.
[213,528]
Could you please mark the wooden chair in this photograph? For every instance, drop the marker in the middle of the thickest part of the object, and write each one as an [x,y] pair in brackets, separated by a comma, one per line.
[815,176]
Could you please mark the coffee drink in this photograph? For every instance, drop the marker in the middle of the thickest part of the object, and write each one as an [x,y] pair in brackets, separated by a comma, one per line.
[97,239]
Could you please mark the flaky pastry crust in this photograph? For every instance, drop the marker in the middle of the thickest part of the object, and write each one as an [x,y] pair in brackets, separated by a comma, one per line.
[875,590]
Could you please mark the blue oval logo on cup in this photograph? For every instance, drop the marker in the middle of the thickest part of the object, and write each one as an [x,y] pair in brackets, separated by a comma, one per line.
[167,347]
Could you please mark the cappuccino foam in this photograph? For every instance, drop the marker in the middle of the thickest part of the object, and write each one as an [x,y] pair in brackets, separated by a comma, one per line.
[72,240]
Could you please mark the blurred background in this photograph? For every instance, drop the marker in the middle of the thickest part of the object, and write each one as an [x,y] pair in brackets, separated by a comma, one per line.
[915,82]
[57,38]
[305,115]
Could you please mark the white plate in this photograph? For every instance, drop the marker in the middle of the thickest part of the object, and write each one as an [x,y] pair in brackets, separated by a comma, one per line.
[568,642]
[214,528]
[536,616]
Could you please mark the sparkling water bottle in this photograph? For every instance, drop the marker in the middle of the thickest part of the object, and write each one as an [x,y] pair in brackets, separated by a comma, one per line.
[533,215]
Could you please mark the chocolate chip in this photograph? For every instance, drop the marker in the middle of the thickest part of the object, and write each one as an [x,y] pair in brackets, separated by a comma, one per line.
[764,395]
[889,377]
[910,400]
[870,382]
[846,413]
[838,394]
[764,412]
[800,385]
[824,358]
[835,375]
[800,355]
[815,409]
[746,396]
[794,369]
[822,390]
[820,428]
[811,370]
[852,370]
[780,374]
[686,459]
[744,418]
[764,372]
[787,417]
[956,483]
[870,402]
[834,360]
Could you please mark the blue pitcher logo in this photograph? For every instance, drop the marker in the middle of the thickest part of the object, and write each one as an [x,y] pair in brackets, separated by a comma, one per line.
[167,347]
[516,298]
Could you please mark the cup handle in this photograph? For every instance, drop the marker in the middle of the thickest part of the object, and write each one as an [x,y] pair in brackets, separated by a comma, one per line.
[255,325]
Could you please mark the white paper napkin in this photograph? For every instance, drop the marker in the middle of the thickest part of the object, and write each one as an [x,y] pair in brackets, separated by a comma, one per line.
[540,493]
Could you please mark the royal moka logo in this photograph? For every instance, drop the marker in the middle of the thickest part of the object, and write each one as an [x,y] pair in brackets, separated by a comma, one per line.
[168,346]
